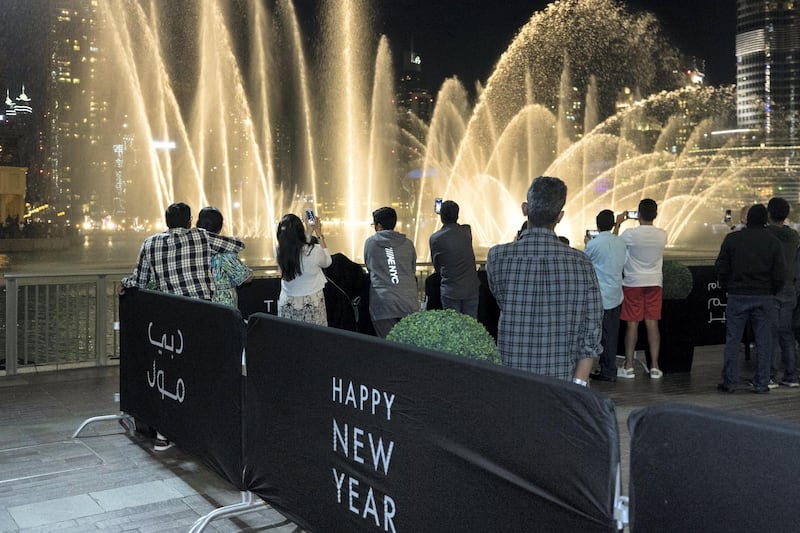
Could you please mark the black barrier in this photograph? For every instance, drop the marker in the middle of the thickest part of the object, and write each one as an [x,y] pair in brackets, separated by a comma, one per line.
[698,469]
[181,373]
[346,432]
[259,296]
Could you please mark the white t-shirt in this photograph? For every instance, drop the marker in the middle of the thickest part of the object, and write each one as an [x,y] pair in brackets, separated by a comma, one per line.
[312,278]
[644,256]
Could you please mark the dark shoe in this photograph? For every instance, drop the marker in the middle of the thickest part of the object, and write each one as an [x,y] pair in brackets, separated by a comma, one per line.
[758,390]
[790,384]
[161,443]
[598,376]
[772,384]
[725,388]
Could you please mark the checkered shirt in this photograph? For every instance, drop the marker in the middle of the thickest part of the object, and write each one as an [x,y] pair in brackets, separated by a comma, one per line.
[551,310]
[179,261]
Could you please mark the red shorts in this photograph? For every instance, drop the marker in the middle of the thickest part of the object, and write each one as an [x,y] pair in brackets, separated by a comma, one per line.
[641,303]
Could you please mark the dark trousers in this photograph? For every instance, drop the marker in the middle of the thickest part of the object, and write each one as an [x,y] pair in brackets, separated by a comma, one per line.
[608,359]
[762,311]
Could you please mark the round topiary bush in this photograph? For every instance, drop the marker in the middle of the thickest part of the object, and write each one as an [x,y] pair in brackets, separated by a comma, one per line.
[678,280]
[446,331]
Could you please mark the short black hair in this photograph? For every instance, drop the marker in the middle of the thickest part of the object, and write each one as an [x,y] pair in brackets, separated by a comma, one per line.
[605,220]
[385,216]
[648,209]
[178,215]
[757,215]
[210,219]
[778,209]
[449,211]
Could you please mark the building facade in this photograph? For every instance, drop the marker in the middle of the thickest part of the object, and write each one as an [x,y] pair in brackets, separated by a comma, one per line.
[768,69]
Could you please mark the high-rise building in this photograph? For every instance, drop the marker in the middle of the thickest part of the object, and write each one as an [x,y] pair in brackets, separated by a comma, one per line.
[768,69]
[80,160]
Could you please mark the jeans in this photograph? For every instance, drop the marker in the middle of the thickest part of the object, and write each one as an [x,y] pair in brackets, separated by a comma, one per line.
[784,351]
[762,311]
[467,307]
[608,359]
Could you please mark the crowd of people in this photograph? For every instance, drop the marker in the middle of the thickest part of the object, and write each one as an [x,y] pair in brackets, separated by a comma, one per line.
[560,307]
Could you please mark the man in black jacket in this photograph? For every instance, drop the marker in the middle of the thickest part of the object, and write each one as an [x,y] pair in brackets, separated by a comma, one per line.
[751,267]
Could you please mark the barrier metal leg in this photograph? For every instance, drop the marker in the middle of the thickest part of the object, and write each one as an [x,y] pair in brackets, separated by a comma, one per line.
[247,505]
[128,422]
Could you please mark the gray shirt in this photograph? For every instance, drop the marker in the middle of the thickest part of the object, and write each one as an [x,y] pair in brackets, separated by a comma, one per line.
[454,259]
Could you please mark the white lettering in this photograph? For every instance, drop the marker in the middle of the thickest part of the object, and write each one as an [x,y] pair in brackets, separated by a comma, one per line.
[393,275]
[371,509]
[388,513]
[361,397]
[339,480]
[358,443]
[353,493]
[342,437]
[379,455]
[337,389]
[351,395]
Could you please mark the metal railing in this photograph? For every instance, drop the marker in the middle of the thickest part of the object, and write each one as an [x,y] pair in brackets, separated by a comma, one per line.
[61,321]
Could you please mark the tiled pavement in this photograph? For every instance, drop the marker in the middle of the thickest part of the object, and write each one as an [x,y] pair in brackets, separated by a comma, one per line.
[109,480]
[106,480]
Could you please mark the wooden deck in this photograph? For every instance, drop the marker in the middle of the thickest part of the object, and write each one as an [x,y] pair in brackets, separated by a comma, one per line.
[109,481]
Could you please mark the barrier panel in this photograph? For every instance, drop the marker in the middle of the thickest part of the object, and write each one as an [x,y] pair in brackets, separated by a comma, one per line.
[697,469]
[346,432]
[181,373]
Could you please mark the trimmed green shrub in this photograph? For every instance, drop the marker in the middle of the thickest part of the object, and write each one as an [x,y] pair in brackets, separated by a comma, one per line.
[678,280]
[446,331]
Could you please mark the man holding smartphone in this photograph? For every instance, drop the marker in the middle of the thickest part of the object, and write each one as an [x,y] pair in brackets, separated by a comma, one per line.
[642,285]
[454,260]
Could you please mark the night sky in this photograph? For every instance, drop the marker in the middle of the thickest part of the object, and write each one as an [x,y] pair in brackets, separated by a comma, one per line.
[466,37]
[454,37]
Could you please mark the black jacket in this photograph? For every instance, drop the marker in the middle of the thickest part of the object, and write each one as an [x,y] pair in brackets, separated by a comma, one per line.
[751,261]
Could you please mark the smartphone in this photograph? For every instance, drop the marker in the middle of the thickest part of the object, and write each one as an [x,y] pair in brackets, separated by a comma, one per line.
[592,233]
[437,206]
[310,215]
[633,215]
[728,217]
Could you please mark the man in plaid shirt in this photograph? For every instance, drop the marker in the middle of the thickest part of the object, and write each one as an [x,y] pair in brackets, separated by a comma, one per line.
[179,260]
[551,310]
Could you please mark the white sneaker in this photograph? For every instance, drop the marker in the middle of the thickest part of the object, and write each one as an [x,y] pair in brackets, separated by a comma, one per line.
[625,373]
[655,373]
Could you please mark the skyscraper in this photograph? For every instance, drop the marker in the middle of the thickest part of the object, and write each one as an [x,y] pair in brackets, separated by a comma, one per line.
[80,161]
[768,69]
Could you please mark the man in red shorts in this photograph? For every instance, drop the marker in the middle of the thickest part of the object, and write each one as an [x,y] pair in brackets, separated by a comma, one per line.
[642,285]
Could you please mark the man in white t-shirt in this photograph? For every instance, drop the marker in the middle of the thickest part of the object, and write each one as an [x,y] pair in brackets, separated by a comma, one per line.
[642,285]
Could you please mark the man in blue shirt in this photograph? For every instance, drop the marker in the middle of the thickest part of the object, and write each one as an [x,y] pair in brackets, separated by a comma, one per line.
[607,252]
[550,306]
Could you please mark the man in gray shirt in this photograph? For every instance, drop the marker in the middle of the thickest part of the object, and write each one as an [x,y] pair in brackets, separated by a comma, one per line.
[454,260]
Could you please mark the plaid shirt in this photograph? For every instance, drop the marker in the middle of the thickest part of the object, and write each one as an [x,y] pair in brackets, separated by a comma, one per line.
[180,261]
[551,311]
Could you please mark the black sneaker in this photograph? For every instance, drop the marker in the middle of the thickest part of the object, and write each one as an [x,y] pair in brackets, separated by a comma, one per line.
[598,376]
[725,388]
[757,390]
[789,383]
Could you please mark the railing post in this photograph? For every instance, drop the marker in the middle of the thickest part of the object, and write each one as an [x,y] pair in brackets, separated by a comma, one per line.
[11,326]
[101,316]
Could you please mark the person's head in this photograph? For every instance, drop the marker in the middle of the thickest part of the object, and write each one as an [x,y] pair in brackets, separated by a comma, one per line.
[605,220]
[756,216]
[385,218]
[648,209]
[449,212]
[546,198]
[778,209]
[291,239]
[209,219]
[178,215]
